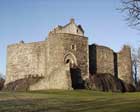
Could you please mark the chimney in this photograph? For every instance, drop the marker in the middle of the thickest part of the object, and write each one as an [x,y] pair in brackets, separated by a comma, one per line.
[72,20]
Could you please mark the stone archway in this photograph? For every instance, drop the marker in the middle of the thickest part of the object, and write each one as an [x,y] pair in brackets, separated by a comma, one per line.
[70,59]
[75,72]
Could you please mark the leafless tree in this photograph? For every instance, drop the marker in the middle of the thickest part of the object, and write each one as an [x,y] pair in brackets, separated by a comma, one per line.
[1,81]
[131,9]
[136,64]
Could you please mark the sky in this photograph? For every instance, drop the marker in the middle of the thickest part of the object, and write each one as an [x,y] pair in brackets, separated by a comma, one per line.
[31,20]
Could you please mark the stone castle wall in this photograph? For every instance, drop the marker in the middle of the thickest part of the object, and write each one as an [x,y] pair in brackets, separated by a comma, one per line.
[101,59]
[125,65]
[59,48]
[104,60]
[24,60]
[64,53]
[63,45]
[48,59]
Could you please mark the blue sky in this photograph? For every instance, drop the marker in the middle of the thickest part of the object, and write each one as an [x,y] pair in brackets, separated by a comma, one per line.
[31,20]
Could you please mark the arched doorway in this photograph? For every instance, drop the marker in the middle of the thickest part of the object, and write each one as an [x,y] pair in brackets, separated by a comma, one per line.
[77,81]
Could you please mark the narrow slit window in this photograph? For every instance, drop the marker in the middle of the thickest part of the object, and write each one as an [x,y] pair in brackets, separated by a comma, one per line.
[73,47]
[77,31]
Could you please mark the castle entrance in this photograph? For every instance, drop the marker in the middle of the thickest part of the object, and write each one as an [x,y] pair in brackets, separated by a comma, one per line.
[75,72]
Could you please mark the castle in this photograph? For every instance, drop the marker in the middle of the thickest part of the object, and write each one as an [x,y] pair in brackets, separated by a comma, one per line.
[65,60]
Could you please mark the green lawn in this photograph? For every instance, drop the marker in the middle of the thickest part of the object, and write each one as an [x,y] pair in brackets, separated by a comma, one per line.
[69,101]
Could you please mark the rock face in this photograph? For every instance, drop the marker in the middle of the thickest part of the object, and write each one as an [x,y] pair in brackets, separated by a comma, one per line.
[107,82]
[22,84]
[65,61]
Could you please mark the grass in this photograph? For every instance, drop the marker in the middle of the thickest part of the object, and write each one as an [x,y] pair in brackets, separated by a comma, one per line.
[69,101]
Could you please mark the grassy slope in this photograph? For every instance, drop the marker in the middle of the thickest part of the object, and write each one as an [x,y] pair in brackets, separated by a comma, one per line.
[69,101]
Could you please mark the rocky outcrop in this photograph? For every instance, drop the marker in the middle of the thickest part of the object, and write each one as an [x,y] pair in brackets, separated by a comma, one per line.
[106,82]
[21,84]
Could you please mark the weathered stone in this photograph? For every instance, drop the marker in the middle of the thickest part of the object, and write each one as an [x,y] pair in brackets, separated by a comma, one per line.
[103,60]
[125,65]
[64,60]
[105,82]
[65,48]
[22,84]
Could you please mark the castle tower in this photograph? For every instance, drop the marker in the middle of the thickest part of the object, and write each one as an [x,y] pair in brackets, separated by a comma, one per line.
[125,65]
[66,58]
[68,47]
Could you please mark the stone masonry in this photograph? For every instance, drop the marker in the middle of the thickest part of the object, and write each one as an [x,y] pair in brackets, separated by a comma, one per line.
[65,60]
[104,60]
